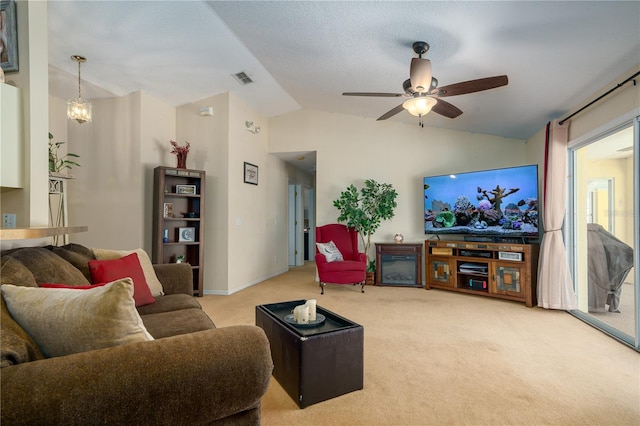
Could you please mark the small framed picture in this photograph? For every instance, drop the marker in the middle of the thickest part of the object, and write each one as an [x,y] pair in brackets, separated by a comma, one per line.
[168,210]
[8,36]
[250,173]
[187,235]
[186,189]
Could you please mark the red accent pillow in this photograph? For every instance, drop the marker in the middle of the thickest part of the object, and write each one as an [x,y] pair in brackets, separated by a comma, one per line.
[73,287]
[127,266]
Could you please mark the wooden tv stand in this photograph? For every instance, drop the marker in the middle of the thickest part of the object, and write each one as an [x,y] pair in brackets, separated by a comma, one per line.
[501,270]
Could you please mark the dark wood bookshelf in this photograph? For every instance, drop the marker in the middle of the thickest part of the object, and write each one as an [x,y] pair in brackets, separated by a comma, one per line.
[181,215]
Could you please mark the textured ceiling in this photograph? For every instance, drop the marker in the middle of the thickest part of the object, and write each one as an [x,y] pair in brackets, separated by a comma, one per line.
[305,54]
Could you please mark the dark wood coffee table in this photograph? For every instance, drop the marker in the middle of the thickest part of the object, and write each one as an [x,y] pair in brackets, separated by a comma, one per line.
[313,364]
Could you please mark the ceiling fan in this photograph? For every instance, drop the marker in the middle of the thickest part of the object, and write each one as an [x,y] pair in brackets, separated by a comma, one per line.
[424,93]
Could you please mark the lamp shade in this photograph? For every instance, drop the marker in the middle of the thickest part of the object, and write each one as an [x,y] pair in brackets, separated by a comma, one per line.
[420,105]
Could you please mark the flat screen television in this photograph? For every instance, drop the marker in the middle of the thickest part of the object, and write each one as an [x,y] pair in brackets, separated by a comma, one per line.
[493,203]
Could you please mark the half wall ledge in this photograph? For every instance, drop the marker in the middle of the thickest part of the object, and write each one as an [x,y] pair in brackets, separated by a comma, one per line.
[43,232]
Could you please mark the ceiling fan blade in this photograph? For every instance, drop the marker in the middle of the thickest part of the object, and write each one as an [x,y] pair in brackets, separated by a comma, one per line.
[391,113]
[420,75]
[382,95]
[446,109]
[471,86]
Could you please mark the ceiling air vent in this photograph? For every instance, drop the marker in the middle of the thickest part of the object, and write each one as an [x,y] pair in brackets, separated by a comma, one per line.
[242,78]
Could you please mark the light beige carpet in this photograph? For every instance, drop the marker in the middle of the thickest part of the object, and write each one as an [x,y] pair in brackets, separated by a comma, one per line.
[443,358]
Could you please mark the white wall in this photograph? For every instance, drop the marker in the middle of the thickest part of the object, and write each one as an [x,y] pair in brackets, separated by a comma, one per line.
[208,137]
[31,203]
[257,213]
[245,229]
[129,136]
[111,192]
[157,128]
[617,104]
[106,194]
[351,149]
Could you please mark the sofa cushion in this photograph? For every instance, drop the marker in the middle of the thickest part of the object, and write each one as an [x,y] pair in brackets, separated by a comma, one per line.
[15,273]
[78,255]
[170,302]
[176,278]
[65,321]
[47,267]
[147,267]
[127,266]
[16,346]
[347,265]
[166,324]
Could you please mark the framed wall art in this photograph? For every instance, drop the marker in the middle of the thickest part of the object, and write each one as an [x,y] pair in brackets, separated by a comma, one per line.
[186,189]
[250,173]
[8,36]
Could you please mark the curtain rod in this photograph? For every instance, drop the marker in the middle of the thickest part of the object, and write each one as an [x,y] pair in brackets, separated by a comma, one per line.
[602,96]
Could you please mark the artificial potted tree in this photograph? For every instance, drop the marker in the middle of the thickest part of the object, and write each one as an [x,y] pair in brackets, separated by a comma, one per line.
[365,210]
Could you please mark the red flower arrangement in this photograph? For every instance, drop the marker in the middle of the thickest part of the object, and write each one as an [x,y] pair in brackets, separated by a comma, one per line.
[177,149]
[181,153]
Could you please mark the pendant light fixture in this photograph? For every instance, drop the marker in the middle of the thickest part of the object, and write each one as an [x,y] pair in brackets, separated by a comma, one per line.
[77,109]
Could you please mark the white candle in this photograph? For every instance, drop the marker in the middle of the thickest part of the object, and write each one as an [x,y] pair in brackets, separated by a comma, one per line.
[301,314]
[312,309]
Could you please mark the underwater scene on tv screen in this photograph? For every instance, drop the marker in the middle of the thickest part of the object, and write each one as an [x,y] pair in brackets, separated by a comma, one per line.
[488,202]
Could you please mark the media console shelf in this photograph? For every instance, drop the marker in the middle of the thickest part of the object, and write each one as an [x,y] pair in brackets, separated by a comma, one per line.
[501,270]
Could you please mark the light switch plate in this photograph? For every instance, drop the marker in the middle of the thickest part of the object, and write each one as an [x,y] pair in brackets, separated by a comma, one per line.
[9,220]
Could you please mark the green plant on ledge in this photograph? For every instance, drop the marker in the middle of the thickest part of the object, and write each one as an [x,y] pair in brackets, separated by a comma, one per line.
[57,163]
[364,210]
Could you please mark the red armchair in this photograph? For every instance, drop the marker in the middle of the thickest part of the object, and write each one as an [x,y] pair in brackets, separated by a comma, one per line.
[351,270]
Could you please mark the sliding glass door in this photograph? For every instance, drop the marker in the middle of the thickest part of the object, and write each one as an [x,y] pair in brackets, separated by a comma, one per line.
[603,231]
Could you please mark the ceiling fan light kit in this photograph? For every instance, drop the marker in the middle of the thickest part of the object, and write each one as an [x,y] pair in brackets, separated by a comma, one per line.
[424,93]
[419,106]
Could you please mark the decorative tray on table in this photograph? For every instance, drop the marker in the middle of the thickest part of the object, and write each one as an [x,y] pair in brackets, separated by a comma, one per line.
[320,319]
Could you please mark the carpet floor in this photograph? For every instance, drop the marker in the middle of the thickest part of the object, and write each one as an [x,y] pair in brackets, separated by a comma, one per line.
[443,358]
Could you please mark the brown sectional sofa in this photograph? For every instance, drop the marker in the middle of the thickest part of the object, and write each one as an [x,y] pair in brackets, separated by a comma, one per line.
[192,373]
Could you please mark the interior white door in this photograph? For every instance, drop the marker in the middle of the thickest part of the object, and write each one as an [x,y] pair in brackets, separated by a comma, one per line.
[299,226]
[291,221]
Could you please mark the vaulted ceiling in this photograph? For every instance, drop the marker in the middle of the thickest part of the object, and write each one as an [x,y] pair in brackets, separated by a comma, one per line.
[304,54]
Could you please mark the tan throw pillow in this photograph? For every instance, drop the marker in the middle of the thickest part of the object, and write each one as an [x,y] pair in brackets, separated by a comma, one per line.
[16,346]
[147,267]
[65,321]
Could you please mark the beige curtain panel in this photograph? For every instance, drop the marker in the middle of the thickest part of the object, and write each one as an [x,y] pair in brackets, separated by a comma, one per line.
[555,285]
